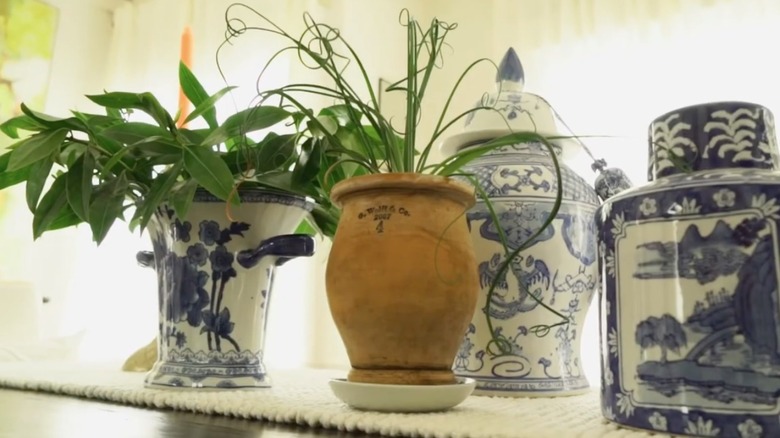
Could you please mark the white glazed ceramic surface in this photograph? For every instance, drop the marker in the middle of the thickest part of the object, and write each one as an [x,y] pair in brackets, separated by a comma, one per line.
[402,398]
[213,310]
[690,323]
[559,268]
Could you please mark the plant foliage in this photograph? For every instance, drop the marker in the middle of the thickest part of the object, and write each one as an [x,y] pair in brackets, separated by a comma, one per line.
[93,168]
[352,137]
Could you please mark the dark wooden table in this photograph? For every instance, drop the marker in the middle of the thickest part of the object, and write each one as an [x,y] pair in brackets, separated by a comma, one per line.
[26,414]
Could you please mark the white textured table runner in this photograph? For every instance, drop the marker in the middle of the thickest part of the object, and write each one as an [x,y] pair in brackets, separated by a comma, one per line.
[303,397]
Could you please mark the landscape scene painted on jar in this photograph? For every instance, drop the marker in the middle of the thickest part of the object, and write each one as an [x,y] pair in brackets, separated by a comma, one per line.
[717,348]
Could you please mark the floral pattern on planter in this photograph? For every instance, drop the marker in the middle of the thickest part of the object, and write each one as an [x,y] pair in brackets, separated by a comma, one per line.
[213,285]
[197,290]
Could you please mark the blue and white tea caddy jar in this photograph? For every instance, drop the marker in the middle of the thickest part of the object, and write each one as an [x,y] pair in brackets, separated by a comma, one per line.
[215,269]
[559,268]
[690,316]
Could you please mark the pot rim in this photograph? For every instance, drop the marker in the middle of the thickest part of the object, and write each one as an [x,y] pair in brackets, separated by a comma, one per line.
[702,105]
[258,194]
[457,190]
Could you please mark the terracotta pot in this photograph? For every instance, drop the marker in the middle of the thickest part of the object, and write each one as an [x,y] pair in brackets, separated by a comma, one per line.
[402,277]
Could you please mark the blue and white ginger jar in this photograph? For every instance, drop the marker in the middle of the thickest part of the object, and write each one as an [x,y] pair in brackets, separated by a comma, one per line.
[690,315]
[559,268]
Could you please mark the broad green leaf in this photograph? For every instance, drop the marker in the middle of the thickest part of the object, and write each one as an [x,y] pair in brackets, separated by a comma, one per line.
[79,186]
[97,121]
[326,219]
[36,180]
[118,100]
[341,113]
[282,180]
[207,110]
[305,227]
[208,169]
[145,102]
[194,91]
[152,106]
[273,152]
[51,122]
[166,159]
[10,178]
[156,147]
[114,113]
[66,218]
[23,122]
[194,136]
[35,148]
[308,165]
[106,206]
[182,197]
[134,132]
[50,207]
[70,152]
[158,192]
[115,158]
[110,148]
[246,121]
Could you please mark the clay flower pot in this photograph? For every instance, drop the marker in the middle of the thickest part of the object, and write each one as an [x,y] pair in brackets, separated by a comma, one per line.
[402,277]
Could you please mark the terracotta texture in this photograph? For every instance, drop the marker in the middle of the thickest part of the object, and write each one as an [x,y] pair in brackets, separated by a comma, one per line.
[402,277]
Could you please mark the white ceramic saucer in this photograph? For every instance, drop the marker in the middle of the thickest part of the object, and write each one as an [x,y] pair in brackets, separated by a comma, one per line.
[402,398]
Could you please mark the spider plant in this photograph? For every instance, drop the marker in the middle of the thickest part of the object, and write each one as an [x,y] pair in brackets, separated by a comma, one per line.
[352,137]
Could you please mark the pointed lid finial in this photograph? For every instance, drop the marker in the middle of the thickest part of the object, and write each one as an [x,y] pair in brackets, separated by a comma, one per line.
[510,69]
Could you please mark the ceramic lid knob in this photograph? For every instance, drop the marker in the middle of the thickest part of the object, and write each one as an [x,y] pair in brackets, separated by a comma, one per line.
[505,110]
[510,74]
[610,180]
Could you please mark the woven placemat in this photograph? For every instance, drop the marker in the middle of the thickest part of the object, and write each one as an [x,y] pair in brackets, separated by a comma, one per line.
[303,397]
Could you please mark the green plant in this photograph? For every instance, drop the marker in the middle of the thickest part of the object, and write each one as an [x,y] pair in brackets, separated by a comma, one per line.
[101,165]
[352,137]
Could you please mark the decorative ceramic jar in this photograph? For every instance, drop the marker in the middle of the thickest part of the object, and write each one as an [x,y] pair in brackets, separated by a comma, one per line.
[690,317]
[215,270]
[401,276]
[558,270]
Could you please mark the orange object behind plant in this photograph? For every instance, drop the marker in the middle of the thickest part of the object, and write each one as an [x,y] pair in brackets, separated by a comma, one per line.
[186,58]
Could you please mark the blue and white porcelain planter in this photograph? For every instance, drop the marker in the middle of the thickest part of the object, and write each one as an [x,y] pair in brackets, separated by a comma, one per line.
[690,315]
[215,272]
[559,267]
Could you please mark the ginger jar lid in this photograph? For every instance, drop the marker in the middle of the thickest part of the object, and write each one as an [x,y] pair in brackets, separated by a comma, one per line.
[512,110]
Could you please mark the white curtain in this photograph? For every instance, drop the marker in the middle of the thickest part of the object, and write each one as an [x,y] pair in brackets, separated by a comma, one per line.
[607,66]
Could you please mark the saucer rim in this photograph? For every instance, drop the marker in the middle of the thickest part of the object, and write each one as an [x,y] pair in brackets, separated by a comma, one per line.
[462,381]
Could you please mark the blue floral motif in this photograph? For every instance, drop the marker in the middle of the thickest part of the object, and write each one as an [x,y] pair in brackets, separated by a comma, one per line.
[188,295]
[198,254]
[187,279]
[221,259]
[209,232]
[181,230]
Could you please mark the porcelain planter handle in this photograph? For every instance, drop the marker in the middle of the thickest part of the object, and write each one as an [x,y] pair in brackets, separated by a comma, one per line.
[286,247]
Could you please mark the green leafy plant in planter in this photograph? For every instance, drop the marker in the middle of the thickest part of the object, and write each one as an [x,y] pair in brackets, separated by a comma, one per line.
[356,145]
[101,165]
